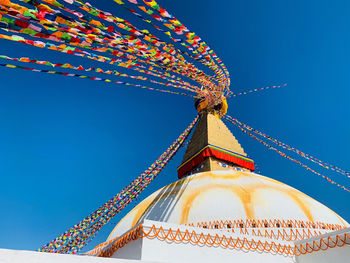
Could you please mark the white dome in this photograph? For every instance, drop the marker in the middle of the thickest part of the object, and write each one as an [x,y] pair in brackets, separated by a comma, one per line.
[227,196]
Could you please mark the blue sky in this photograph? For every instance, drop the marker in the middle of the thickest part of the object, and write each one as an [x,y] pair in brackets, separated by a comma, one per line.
[68,145]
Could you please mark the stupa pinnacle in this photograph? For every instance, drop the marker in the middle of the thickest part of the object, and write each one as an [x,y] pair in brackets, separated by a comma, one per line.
[213,146]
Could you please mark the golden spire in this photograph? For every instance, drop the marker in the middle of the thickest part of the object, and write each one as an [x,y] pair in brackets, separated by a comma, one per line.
[213,147]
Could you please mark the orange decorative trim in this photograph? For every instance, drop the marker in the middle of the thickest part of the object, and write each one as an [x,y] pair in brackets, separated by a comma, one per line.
[246,227]
[279,234]
[265,223]
[285,234]
[194,238]
[322,244]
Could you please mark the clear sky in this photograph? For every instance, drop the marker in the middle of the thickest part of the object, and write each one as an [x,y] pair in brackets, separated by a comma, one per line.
[68,145]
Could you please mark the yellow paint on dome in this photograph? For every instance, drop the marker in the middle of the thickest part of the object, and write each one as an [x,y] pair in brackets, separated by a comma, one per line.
[244,195]
[201,192]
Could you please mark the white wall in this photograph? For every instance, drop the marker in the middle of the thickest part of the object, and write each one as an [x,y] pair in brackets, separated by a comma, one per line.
[332,255]
[20,256]
[327,255]
[158,250]
[132,250]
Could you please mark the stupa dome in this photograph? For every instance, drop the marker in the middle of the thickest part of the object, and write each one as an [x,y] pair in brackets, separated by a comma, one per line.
[231,197]
[219,209]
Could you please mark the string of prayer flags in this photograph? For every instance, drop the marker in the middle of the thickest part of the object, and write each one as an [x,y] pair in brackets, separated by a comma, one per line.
[255,90]
[91,78]
[198,46]
[75,238]
[230,119]
[97,70]
[106,39]
[205,60]
[116,62]
[290,148]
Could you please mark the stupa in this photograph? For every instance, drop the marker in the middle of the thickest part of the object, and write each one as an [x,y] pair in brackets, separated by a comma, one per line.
[220,210]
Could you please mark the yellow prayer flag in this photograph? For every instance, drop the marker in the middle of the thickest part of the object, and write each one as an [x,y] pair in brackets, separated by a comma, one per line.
[120,2]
